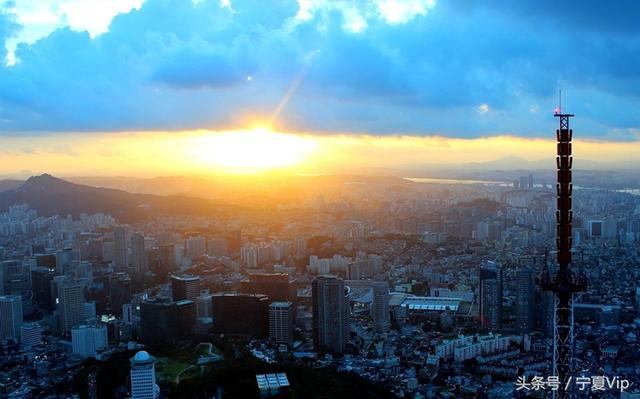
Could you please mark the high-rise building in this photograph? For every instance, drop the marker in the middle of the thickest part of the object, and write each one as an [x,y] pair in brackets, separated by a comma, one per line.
[88,340]
[490,296]
[89,311]
[594,228]
[380,307]
[31,335]
[143,377]
[185,287]
[530,181]
[254,311]
[609,228]
[301,248]
[249,256]
[203,305]
[41,278]
[235,240]
[163,320]
[10,316]
[330,314]
[119,248]
[139,262]
[277,286]
[186,317]
[70,305]
[364,268]
[14,277]
[482,230]
[127,313]
[281,322]
[167,257]
[119,292]
[525,301]
[196,247]
[524,182]
[65,259]
[218,247]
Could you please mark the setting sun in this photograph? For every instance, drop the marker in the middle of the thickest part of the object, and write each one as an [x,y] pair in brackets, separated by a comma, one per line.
[248,151]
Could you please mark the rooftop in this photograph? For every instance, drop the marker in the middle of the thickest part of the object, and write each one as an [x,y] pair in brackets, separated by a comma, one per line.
[431,303]
[272,381]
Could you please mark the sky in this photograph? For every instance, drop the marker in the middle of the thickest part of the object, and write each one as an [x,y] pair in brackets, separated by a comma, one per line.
[85,79]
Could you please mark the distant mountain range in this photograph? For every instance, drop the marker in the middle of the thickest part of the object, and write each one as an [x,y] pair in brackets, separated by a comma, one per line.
[50,195]
[513,163]
[247,190]
[178,194]
[132,199]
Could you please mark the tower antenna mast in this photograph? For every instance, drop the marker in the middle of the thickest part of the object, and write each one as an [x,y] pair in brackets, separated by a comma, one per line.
[565,284]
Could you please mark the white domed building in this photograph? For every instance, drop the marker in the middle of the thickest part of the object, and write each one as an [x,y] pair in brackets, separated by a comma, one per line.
[143,377]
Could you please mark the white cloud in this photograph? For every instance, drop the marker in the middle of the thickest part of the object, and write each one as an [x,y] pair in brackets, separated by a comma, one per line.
[41,17]
[401,11]
[357,13]
[354,21]
[483,108]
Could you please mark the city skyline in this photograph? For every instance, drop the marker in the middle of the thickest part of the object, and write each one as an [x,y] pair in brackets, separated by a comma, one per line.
[319,198]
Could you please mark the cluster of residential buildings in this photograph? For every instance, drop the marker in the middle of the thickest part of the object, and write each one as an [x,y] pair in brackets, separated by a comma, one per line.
[430,294]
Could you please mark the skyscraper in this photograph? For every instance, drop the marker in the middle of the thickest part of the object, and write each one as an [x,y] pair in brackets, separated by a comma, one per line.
[119,292]
[249,256]
[120,248]
[594,227]
[70,305]
[235,240]
[277,286]
[203,305]
[164,321]
[31,335]
[490,296]
[525,301]
[241,314]
[330,314]
[10,316]
[524,182]
[14,277]
[87,341]
[185,287]
[41,285]
[65,259]
[196,247]
[281,322]
[139,262]
[127,313]
[380,307]
[167,257]
[143,377]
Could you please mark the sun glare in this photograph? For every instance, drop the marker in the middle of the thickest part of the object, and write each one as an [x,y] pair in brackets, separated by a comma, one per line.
[250,151]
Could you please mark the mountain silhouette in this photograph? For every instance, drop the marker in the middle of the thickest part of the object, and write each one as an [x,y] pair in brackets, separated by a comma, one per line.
[50,195]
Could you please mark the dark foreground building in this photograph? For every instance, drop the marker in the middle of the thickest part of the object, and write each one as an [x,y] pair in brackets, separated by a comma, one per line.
[166,321]
[241,314]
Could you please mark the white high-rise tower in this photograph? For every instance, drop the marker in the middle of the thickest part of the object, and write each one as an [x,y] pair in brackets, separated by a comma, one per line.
[143,377]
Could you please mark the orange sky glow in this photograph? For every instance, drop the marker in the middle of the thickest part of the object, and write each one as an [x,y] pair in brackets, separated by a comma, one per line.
[263,150]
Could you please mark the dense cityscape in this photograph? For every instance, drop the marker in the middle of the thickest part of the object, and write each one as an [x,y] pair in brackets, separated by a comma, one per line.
[420,289]
[319,199]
